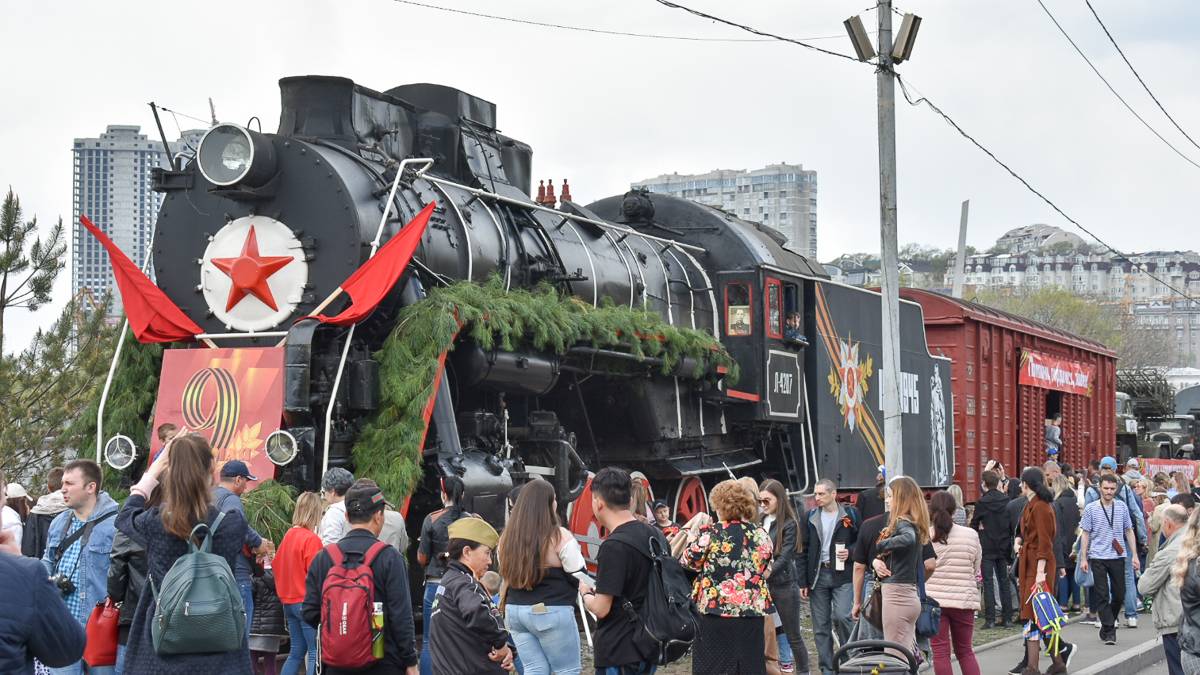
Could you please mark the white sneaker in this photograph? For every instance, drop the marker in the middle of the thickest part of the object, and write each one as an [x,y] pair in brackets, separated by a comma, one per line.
[1131,622]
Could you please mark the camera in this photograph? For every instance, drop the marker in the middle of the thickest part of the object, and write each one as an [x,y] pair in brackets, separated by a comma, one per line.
[63,583]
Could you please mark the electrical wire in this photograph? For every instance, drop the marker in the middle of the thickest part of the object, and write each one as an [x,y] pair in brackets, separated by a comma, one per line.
[1111,89]
[1138,75]
[748,29]
[585,29]
[191,117]
[949,120]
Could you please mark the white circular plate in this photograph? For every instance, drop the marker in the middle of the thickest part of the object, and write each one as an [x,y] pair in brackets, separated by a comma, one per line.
[253,273]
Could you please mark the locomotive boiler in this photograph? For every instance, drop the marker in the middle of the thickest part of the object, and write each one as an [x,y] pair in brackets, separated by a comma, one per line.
[258,229]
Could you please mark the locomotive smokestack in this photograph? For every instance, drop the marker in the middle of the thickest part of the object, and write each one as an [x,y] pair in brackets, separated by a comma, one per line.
[566,191]
[551,200]
[541,195]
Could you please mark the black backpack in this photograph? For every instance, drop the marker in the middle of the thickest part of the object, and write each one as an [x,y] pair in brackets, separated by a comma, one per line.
[669,620]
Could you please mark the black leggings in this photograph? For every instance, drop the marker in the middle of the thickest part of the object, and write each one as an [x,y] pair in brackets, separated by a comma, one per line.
[786,597]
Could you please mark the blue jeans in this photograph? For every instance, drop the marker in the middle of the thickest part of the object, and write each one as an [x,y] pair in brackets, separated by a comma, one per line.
[1131,601]
[303,641]
[830,611]
[547,641]
[427,609]
[247,589]
[73,669]
[785,649]
[636,669]
[1068,590]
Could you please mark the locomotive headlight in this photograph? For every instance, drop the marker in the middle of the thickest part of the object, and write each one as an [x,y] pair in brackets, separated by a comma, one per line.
[231,154]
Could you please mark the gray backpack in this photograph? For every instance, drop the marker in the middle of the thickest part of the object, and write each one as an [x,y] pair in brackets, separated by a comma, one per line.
[199,608]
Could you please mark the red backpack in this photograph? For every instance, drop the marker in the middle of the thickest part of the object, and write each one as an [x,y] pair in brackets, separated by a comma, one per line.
[347,600]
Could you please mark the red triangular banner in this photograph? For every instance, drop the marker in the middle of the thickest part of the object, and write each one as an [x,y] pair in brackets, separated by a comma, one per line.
[376,277]
[152,315]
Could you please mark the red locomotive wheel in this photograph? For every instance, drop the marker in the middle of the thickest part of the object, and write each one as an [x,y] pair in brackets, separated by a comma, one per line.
[690,499]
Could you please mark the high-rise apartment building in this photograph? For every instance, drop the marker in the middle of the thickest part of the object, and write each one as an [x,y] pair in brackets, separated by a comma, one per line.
[112,187]
[780,196]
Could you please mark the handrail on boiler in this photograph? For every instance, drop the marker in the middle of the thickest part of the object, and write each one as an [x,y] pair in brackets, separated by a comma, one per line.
[337,380]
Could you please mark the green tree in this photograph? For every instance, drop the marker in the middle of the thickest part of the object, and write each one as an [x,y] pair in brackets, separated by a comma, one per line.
[46,386]
[1109,324]
[26,277]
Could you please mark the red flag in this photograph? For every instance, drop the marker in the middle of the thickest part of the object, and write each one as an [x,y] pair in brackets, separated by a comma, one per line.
[371,282]
[152,315]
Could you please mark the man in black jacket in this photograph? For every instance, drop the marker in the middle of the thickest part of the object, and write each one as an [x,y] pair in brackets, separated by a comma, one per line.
[364,511]
[992,521]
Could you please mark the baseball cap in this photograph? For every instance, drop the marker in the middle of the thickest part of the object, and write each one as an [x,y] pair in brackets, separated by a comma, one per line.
[659,504]
[235,468]
[1132,462]
[1108,463]
[363,500]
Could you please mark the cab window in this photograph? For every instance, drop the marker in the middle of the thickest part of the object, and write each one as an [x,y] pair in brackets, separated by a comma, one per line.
[737,309]
[774,313]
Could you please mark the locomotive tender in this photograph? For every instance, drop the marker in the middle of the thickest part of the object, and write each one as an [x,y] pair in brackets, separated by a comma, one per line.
[258,228]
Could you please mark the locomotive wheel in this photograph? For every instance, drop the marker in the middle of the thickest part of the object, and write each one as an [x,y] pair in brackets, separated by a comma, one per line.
[690,499]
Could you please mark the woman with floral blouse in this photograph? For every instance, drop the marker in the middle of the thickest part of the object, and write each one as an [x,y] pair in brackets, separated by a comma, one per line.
[731,557]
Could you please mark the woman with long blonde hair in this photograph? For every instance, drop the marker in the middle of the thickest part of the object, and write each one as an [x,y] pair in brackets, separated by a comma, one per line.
[1187,575]
[900,544]
[295,555]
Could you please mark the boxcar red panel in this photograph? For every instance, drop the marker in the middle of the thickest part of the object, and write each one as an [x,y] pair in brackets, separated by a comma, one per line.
[995,416]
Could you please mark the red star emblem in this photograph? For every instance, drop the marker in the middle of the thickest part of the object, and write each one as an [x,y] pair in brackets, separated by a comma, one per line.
[249,272]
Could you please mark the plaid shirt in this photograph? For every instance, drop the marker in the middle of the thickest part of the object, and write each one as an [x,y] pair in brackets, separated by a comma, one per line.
[68,564]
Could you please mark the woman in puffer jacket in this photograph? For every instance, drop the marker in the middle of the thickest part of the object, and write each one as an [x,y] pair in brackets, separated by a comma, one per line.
[953,584]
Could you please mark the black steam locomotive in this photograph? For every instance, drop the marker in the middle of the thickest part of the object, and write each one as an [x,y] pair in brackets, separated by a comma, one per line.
[303,206]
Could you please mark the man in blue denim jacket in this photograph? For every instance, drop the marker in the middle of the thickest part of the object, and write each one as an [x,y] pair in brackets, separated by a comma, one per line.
[83,564]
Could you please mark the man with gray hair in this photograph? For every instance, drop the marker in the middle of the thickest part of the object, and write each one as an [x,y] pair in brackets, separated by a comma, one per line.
[1157,581]
[827,579]
[334,485]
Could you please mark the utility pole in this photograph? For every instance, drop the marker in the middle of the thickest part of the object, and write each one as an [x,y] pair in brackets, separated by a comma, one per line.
[889,373]
[960,260]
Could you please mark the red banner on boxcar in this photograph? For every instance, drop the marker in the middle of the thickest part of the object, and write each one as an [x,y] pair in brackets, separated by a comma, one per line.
[1051,372]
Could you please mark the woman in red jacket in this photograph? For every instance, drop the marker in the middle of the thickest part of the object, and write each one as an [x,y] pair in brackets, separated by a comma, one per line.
[292,560]
[1037,566]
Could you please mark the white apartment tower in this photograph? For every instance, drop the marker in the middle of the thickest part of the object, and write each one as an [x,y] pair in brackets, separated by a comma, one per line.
[112,187]
[780,196]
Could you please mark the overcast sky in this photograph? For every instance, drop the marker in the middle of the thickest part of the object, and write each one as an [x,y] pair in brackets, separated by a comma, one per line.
[604,111]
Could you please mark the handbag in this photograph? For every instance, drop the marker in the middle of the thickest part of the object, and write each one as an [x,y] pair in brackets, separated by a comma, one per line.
[1083,579]
[929,621]
[873,610]
[1047,615]
[102,629]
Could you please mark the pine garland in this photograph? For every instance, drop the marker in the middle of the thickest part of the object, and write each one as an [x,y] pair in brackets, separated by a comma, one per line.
[269,509]
[389,450]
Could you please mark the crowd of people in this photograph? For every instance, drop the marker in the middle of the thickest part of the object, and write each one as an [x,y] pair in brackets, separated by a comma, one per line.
[1094,540]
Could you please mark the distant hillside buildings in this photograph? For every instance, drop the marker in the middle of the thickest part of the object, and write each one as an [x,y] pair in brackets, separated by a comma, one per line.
[780,196]
[111,186]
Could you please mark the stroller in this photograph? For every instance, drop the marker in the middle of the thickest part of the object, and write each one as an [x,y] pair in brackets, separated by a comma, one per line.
[871,657]
[866,653]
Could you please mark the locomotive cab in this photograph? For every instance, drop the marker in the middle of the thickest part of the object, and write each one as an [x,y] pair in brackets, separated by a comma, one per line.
[762,324]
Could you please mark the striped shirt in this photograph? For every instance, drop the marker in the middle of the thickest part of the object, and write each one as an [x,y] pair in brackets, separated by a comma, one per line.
[1104,524]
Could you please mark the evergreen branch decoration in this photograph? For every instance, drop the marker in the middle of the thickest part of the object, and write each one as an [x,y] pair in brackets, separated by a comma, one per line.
[269,509]
[130,399]
[389,449]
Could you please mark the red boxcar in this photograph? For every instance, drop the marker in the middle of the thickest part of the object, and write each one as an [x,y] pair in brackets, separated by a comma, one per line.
[1009,375]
